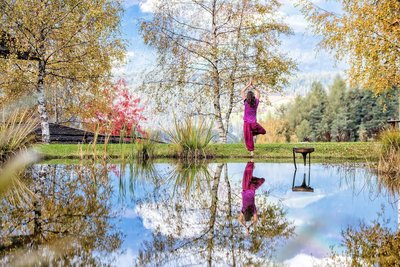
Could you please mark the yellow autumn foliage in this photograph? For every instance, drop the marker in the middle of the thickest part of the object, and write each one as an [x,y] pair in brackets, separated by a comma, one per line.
[276,129]
[367,34]
[75,42]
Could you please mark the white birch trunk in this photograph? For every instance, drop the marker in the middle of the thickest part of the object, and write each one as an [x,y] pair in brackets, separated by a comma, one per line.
[216,81]
[213,213]
[44,119]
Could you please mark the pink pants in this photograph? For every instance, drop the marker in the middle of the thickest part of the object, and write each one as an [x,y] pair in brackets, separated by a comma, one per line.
[251,129]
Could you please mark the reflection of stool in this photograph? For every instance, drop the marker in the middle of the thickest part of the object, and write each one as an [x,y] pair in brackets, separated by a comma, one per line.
[304,187]
[304,151]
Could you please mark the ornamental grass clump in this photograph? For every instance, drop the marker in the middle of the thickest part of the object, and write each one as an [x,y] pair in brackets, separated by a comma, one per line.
[191,137]
[389,161]
[17,133]
[145,146]
[16,136]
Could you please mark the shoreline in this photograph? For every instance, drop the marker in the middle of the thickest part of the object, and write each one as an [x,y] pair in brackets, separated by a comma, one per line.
[367,151]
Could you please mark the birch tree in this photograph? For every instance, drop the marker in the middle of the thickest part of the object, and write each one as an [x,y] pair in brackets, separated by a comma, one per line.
[67,40]
[208,49]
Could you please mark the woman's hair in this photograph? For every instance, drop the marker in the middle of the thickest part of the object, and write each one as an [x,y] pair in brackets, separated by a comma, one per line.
[248,213]
[251,99]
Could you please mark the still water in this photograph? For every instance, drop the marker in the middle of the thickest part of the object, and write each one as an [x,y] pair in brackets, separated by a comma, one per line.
[182,214]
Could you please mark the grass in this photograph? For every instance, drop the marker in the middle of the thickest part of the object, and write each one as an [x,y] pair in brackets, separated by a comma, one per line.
[389,161]
[191,137]
[325,151]
[333,150]
[145,148]
[390,140]
[15,139]
[16,133]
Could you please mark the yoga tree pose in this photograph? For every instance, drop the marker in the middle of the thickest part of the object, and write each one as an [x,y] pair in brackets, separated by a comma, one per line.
[250,126]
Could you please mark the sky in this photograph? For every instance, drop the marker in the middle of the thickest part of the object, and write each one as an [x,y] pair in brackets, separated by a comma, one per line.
[302,46]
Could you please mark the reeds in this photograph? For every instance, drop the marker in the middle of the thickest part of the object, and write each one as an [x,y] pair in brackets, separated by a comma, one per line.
[191,137]
[390,141]
[389,161]
[92,150]
[17,133]
[145,147]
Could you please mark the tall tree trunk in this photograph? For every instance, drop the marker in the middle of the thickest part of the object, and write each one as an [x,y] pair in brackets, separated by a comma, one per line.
[55,107]
[38,188]
[230,216]
[232,76]
[213,212]
[216,78]
[218,117]
[44,119]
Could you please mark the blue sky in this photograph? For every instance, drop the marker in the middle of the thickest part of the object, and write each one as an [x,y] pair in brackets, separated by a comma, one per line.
[313,63]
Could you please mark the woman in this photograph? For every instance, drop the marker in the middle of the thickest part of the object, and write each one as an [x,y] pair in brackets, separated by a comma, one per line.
[249,186]
[250,126]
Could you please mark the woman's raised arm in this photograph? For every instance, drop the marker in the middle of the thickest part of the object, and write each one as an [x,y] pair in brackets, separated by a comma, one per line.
[245,88]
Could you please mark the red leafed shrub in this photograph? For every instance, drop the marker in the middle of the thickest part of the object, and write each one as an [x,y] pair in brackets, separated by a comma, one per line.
[122,114]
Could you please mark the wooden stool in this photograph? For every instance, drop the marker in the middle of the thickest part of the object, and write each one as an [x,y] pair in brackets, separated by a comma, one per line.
[304,187]
[304,151]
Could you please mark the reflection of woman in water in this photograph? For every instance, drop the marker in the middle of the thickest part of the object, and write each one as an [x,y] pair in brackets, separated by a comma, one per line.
[249,186]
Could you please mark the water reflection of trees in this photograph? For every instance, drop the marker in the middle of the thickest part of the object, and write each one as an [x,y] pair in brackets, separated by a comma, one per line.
[157,179]
[374,243]
[200,226]
[62,215]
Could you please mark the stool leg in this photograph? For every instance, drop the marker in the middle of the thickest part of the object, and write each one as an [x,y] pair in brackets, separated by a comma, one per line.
[294,159]
[304,158]
[294,177]
[309,159]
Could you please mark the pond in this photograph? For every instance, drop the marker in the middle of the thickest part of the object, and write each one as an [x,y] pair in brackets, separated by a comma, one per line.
[183,214]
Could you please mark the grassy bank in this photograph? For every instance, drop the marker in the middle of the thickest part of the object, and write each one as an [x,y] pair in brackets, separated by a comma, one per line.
[339,151]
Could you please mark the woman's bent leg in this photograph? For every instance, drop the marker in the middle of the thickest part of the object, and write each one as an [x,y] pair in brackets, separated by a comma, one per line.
[257,129]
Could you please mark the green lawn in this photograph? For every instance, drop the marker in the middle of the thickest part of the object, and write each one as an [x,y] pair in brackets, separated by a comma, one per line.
[335,151]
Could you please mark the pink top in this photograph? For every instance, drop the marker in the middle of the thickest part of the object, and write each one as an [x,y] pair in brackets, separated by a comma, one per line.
[249,186]
[250,113]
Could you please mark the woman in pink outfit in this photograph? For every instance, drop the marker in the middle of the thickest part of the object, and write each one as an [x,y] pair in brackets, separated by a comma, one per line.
[250,184]
[250,126]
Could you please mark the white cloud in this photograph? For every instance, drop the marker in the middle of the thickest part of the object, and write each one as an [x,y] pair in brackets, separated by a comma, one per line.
[292,16]
[136,62]
[148,6]
[130,55]
[297,22]
[130,213]
[308,260]
[125,259]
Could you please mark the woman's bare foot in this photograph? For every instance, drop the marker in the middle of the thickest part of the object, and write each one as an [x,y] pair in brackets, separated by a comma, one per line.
[252,153]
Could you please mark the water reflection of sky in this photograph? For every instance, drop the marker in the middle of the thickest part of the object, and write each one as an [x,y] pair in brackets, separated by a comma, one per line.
[341,197]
